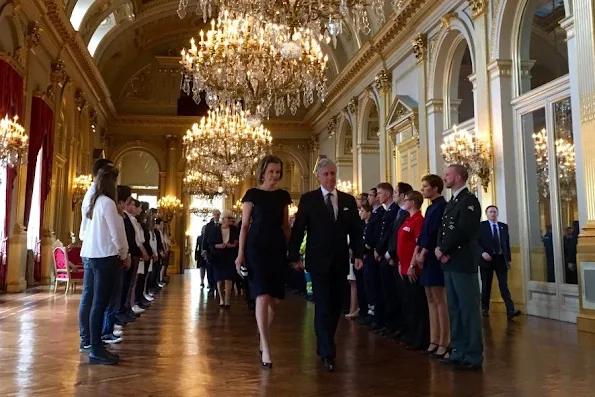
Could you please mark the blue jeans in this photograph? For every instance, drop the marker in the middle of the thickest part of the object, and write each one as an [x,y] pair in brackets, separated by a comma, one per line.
[98,283]
[109,318]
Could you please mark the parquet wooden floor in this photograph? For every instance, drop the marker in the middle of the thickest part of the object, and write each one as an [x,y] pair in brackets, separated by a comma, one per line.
[185,346]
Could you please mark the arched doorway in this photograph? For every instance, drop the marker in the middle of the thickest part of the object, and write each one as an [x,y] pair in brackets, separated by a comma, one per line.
[140,170]
[543,114]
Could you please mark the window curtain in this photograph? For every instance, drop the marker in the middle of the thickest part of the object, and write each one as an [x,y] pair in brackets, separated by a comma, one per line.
[11,104]
[41,135]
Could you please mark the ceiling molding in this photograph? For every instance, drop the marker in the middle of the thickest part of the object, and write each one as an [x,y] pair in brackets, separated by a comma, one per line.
[56,15]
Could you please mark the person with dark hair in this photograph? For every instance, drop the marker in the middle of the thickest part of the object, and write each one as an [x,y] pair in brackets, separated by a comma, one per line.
[457,252]
[106,249]
[223,244]
[330,217]
[263,245]
[414,303]
[432,277]
[495,256]
[365,213]
[98,165]
[361,199]
[206,231]
[392,320]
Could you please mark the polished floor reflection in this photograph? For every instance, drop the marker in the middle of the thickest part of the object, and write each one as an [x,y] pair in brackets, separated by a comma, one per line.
[185,346]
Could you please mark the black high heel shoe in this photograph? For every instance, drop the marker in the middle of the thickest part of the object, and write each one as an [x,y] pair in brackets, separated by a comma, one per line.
[430,352]
[267,365]
[446,351]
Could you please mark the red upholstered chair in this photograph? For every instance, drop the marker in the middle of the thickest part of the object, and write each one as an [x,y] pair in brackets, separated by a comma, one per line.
[74,256]
[66,271]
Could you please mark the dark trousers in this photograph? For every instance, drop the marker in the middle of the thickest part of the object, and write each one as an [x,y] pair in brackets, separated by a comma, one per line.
[154,276]
[98,283]
[109,318]
[211,275]
[139,292]
[416,314]
[466,338]
[390,295]
[362,300]
[498,265]
[327,289]
[373,288]
[127,286]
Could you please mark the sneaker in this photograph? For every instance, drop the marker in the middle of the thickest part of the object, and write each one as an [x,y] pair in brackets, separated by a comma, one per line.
[84,348]
[137,309]
[118,327]
[118,332]
[102,356]
[149,298]
[111,339]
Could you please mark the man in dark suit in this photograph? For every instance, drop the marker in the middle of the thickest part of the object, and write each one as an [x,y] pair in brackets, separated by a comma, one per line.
[329,217]
[457,251]
[206,231]
[392,316]
[494,249]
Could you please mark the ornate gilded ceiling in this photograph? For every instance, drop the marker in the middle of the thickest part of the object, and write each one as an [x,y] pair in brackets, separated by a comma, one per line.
[128,36]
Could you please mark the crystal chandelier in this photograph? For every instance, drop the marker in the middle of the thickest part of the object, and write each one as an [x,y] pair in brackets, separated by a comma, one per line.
[225,145]
[463,147]
[346,187]
[565,157]
[202,212]
[80,185]
[261,64]
[14,143]
[323,17]
[293,209]
[208,185]
[168,207]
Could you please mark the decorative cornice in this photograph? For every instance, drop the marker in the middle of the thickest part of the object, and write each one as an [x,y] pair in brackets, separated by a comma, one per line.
[33,35]
[446,19]
[368,148]
[500,68]
[420,47]
[382,82]
[58,19]
[478,7]
[435,106]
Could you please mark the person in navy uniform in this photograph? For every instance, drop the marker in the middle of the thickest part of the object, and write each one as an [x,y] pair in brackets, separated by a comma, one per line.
[494,249]
[457,251]
[372,284]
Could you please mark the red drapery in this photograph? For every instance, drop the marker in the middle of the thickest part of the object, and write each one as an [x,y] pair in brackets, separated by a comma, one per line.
[41,135]
[11,103]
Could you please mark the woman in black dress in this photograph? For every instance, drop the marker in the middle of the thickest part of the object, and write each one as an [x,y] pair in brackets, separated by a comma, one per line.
[263,245]
[223,243]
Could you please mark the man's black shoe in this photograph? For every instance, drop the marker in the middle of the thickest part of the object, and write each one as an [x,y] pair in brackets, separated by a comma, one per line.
[514,314]
[100,355]
[329,364]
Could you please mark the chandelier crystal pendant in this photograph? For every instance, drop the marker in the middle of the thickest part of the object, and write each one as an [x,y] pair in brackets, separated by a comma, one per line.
[263,65]
[208,185]
[325,18]
[14,143]
[168,207]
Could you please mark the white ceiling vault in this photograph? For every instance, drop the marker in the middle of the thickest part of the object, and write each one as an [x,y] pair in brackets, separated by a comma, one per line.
[124,35]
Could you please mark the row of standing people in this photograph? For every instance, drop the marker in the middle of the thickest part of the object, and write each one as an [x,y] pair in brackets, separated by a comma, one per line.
[125,254]
[419,280]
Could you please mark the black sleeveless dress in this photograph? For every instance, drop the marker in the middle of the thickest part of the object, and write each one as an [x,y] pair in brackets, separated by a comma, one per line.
[266,248]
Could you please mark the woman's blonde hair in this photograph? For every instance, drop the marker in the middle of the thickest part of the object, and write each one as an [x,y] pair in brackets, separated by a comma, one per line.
[227,214]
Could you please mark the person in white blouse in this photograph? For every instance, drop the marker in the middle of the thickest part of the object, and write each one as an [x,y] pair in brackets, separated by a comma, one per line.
[106,249]
[99,164]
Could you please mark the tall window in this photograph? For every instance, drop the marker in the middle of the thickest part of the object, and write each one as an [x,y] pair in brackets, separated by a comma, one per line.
[33,228]
[3,174]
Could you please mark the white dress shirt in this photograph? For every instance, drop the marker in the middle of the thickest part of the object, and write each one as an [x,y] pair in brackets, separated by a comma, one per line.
[105,235]
[334,199]
[84,209]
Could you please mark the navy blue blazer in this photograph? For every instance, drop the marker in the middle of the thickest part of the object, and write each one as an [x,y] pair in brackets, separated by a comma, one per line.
[486,245]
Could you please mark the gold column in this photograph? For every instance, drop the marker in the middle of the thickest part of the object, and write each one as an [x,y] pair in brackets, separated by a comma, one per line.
[420,49]
[382,83]
[352,113]
[584,14]
[171,188]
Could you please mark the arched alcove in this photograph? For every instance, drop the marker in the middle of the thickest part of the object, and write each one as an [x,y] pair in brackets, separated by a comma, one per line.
[369,146]
[542,47]
[140,170]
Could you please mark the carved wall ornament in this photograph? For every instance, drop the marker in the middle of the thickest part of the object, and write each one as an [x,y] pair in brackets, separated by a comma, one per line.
[420,46]
[382,82]
[352,106]
[140,86]
[494,41]
[79,99]
[314,143]
[16,6]
[93,118]
[33,35]
[58,72]
[478,7]
[446,19]
[331,127]
[20,56]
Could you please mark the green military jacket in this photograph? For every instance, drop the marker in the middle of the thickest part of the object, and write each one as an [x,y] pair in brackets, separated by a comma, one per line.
[459,232]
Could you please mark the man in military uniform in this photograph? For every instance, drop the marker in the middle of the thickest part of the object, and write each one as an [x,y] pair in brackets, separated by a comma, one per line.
[456,250]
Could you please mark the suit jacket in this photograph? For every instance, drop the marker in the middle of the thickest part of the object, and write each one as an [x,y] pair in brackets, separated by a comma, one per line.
[215,237]
[459,232]
[394,236]
[198,248]
[326,245]
[206,232]
[131,238]
[388,219]
[486,245]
